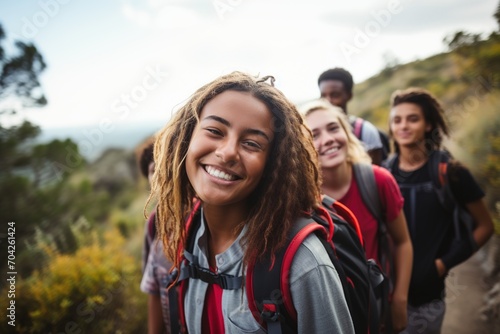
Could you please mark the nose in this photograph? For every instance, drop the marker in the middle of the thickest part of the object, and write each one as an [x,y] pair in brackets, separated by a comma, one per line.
[227,151]
[326,139]
[403,122]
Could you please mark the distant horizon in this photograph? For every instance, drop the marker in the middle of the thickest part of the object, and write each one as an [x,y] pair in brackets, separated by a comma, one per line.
[128,61]
[92,142]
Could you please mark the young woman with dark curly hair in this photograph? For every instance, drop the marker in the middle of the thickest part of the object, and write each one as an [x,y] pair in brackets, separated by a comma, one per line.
[240,148]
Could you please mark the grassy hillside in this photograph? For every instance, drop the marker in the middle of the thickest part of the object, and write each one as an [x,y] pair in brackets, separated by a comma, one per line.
[454,77]
[467,82]
[371,97]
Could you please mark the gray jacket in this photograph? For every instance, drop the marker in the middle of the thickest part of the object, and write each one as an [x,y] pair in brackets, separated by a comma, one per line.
[315,287]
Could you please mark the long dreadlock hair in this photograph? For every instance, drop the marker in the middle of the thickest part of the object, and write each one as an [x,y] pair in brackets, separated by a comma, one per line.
[290,185]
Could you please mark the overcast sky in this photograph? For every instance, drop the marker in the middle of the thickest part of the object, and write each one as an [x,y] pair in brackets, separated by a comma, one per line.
[125,61]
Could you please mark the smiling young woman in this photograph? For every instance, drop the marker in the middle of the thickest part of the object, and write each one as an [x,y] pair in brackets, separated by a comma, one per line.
[339,153]
[240,148]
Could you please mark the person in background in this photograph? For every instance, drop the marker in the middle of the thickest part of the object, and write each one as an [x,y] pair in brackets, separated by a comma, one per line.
[155,265]
[146,167]
[336,85]
[339,151]
[417,126]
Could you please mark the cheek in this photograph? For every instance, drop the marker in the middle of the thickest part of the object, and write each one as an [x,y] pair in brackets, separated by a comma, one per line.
[316,143]
[258,165]
[189,165]
[196,145]
[341,137]
[192,155]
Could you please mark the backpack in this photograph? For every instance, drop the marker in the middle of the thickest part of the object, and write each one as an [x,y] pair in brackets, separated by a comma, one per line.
[357,125]
[463,222]
[365,179]
[267,286]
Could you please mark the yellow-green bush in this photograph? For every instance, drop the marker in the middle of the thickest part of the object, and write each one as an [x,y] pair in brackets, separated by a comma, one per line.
[94,290]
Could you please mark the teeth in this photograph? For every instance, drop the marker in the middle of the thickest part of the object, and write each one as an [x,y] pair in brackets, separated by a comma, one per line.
[331,150]
[219,174]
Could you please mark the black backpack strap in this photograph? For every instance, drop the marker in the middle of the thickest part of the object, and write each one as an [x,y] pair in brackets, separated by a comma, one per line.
[463,223]
[191,269]
[435,159]
[438,169]
[386,144]
[359,281]
[365,179]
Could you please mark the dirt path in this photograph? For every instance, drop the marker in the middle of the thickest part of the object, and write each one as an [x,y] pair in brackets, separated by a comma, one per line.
[465,290]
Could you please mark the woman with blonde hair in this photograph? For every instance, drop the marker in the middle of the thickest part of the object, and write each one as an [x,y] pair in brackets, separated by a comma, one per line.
[339,151]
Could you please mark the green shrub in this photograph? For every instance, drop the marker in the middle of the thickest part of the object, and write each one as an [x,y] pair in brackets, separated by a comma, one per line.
[94,290]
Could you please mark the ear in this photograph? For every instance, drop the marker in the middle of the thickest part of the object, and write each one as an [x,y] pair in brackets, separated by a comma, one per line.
[428,127]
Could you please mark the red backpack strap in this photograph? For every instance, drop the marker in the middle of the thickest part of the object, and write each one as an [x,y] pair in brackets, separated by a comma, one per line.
[438,167]
[192,214]
[268,286]
[287,264]
[442,170]
[344,212]
[180,290]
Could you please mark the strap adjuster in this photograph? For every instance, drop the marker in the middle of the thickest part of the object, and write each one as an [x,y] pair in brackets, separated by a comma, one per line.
[226,282]
[270,312]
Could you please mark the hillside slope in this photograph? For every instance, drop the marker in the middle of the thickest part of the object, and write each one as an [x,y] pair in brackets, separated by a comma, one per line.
[467,82]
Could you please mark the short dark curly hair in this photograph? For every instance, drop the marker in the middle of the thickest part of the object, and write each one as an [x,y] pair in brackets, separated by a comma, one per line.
[146,157]
[339,74]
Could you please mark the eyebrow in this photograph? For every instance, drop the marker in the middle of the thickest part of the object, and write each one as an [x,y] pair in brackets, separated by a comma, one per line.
[330,124]
[226,123]
[409,115]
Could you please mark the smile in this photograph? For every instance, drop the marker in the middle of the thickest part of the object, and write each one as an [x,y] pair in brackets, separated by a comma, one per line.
[330,150]
[220,174]
[404,134]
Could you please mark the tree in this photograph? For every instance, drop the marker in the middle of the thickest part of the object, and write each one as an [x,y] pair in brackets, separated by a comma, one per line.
[19,75]
[33,193]
[478,57]
[497,16]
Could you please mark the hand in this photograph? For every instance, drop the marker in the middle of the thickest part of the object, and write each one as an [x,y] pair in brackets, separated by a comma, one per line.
[399,313]
[441,268]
